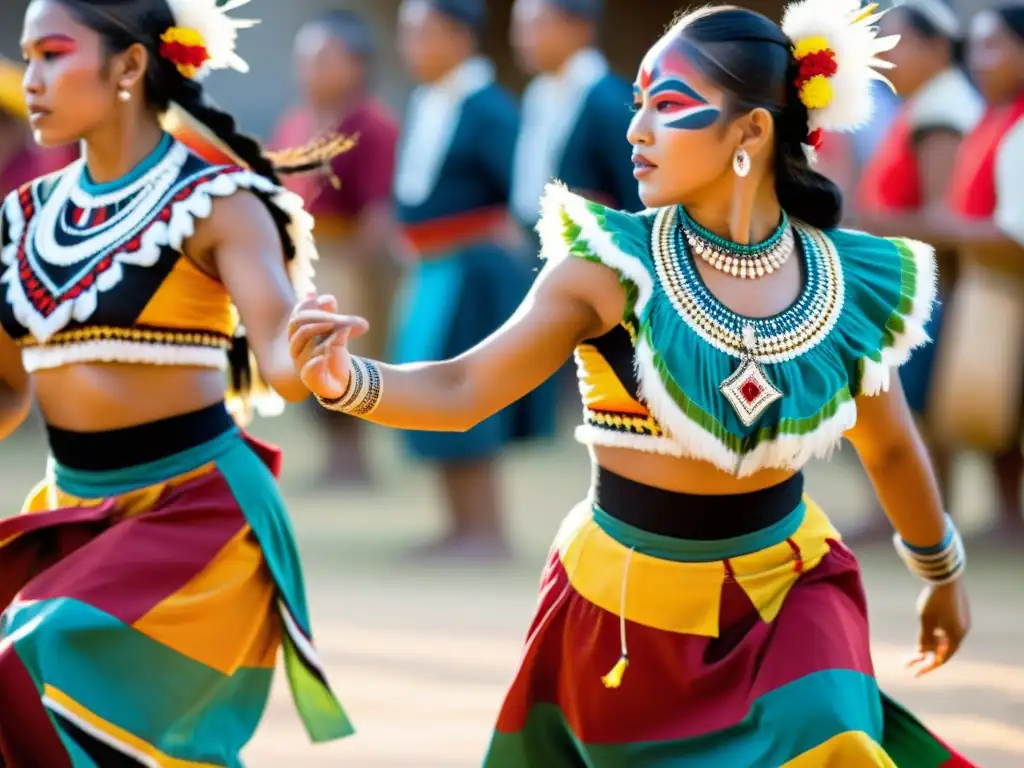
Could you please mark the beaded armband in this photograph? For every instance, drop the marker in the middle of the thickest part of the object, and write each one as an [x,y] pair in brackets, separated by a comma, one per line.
[940,564]
[363,392]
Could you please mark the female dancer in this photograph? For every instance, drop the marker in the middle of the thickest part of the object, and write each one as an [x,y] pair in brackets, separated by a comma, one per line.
[154,578]
[907,178]
[984,220]
[728,618]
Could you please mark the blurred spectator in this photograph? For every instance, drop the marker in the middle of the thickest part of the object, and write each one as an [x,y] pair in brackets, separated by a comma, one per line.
[908,175]
[452,188]
[352,201]
[575,112]
[979,381]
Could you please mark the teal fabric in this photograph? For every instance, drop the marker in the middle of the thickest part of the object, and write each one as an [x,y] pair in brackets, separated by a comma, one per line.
[103,484]
[166,685]
[780,726]
[880,282]
[140,170]
[256,491]
[692,551]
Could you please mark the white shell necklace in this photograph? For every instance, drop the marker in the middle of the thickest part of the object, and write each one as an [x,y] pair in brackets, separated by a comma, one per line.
[747,262]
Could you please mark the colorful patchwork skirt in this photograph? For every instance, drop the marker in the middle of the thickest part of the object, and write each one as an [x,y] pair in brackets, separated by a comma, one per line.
[148,589]
[750,651]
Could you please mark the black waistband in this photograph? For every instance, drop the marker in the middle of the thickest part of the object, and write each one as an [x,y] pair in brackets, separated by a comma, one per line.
[141,444]
[692,516]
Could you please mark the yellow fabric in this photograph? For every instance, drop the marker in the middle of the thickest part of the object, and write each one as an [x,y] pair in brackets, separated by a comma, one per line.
[236,596]
[96,723]
[683,597]
[853,749]
[600,388]
[46,495]
[190,299]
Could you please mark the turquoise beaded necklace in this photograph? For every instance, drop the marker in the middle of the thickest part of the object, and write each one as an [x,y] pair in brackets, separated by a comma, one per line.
[746,261]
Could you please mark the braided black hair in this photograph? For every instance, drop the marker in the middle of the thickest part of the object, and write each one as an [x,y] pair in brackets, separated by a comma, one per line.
[750,58]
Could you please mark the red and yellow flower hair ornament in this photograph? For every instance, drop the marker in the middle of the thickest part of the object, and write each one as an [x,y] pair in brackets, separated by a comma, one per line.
[204,37]
[837,48]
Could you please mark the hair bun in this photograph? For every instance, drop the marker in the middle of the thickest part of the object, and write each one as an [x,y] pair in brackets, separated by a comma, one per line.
[836,47]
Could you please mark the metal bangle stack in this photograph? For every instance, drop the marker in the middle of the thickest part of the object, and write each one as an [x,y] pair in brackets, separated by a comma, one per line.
[940,564]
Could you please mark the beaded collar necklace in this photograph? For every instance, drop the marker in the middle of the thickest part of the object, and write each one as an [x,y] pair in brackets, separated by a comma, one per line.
[748,262]
[756,341]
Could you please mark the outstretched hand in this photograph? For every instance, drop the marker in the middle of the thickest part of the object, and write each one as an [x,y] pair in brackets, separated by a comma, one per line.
[318,343]
[945,620]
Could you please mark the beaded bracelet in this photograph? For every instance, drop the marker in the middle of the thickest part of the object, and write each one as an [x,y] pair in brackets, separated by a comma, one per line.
[939,564]
[363,392]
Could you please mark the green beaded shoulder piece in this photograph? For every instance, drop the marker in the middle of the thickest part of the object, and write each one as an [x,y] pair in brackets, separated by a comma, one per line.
[746,393]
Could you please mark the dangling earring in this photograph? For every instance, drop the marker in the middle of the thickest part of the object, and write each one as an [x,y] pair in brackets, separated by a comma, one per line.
[741,163]
[124,95]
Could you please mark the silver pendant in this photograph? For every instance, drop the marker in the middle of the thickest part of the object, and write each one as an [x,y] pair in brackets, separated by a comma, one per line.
[749,390]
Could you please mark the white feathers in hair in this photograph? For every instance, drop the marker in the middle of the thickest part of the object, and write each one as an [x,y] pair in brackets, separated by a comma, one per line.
[850,32]
[218,31]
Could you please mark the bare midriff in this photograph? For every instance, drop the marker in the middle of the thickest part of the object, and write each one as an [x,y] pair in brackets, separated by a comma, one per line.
[95,397]
[682,475]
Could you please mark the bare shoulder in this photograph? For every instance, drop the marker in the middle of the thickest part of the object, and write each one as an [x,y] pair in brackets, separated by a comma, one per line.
[590,287]
[239,220]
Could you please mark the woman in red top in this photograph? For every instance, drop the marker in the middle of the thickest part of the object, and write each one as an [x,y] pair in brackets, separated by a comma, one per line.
[980,372]
[909,173]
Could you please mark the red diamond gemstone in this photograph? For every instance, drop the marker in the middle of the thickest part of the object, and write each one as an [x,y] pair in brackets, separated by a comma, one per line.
[750,390]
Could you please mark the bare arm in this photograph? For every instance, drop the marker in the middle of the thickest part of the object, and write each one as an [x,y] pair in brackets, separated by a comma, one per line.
[571,301]
[240,243]
[895,458]
[15,387]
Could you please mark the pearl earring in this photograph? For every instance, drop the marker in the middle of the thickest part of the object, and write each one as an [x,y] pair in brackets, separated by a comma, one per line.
[741,163]
[124,95]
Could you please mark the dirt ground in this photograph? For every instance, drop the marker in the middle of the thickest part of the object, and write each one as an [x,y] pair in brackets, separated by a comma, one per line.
[421,656]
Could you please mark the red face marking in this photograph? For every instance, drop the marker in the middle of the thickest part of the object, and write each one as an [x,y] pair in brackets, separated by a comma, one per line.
[53,45]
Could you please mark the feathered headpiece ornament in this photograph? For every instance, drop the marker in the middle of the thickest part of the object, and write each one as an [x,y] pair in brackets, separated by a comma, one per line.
[203,37]
[837,48]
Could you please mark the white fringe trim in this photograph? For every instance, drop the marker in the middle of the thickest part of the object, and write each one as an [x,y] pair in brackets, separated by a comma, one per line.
[589,435]
[685,438]
[116,351]
[558,198]
[157,235]
[877,376]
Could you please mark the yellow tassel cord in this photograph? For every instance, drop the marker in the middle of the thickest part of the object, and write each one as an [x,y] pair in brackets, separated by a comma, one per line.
[614,677]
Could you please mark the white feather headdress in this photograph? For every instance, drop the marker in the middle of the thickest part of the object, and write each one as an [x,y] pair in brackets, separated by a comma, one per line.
[204,37]
[837,45]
